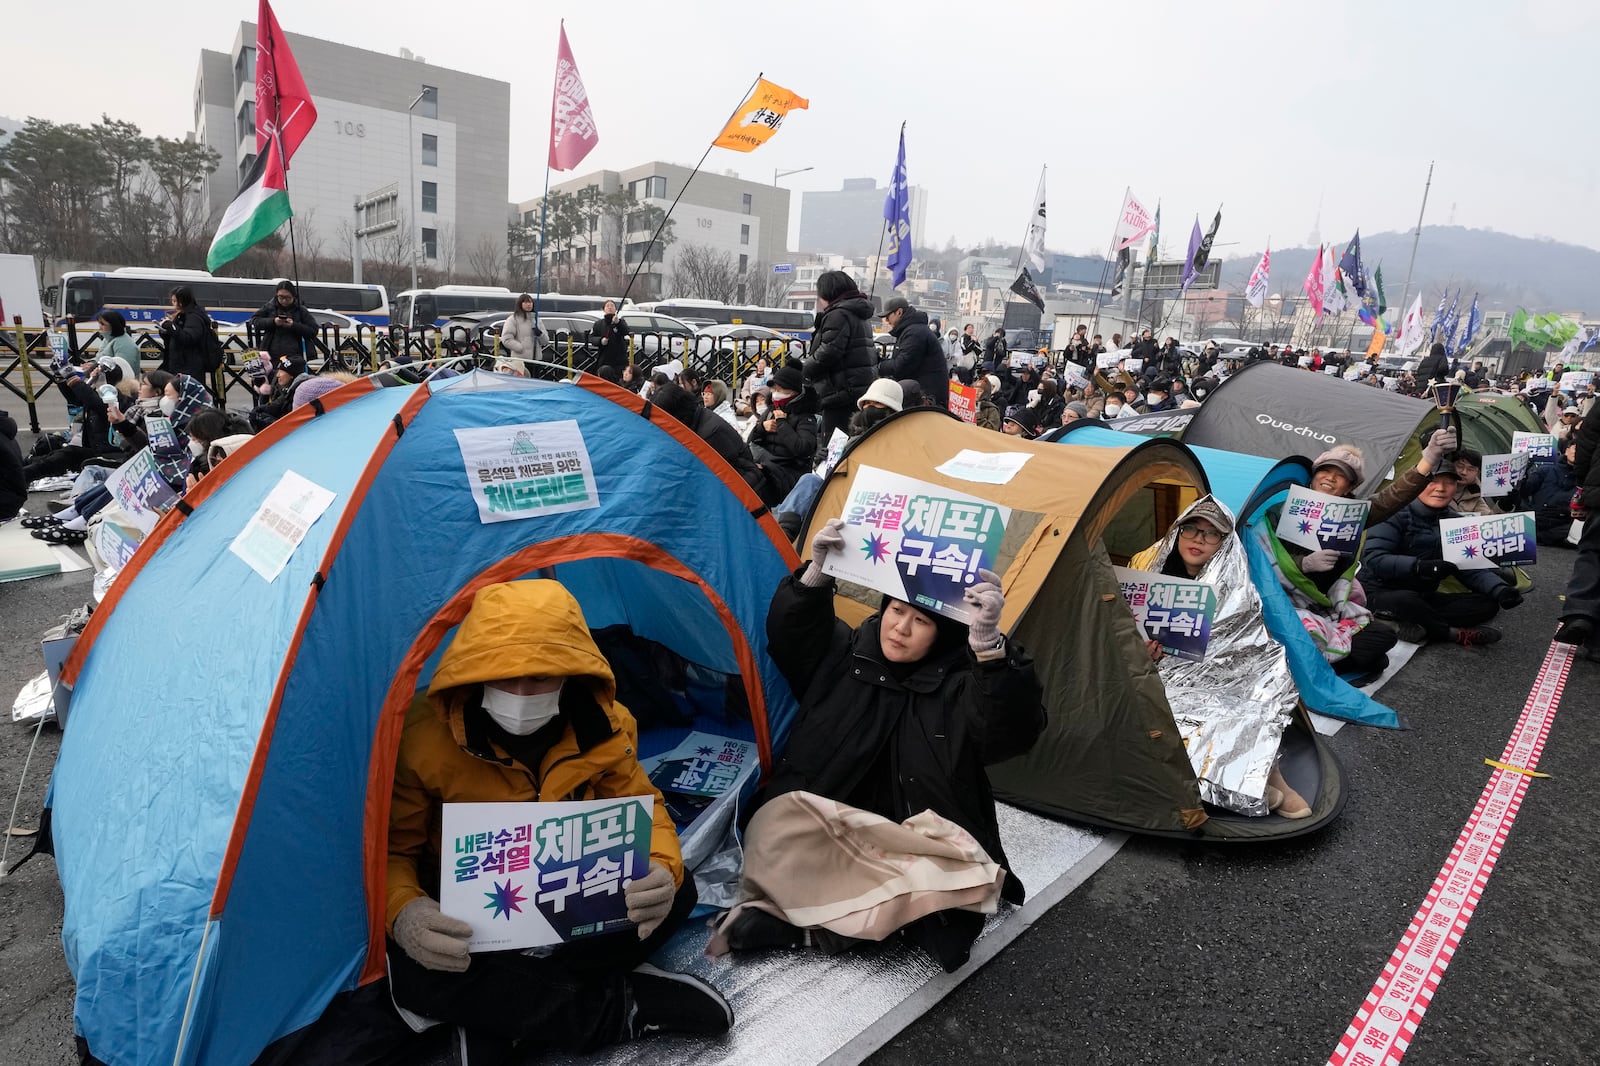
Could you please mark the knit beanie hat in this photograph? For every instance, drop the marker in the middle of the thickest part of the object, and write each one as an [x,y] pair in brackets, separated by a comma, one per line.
[312,388]
[1345,458]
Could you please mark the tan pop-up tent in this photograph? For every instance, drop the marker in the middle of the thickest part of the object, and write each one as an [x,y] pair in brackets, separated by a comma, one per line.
[1111,753]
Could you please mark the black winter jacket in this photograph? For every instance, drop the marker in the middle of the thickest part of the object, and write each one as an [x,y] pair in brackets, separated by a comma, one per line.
[291,340]
[13,483]
[1432,368]
[918,355]
[841,360]
[789,451]
[610,338]
[1546,490]
[185,337]
[1586,460]
[934,731]
[712,428]
[1393,548]
[96,426]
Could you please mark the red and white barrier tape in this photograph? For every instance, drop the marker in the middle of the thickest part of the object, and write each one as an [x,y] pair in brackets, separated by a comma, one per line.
[1387,1021]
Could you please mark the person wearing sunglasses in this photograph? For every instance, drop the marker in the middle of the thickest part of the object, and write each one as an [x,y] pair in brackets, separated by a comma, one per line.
[1232,706]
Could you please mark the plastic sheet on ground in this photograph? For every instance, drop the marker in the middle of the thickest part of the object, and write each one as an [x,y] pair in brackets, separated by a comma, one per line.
[33,702]
[795,1008]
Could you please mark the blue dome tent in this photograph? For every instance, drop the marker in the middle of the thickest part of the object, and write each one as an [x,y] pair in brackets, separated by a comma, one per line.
[1248,485]
[219,809]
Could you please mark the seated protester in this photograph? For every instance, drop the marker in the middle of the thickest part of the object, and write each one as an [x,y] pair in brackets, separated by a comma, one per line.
[988,413]
[13,482]
[1233,707]
[912,394]
[882,399]
[1410,580]
[757,378]
[898,719]
[1566,429]
[522,707]
[718,400]
[785,443]
[1546,489]
[1049,407]
[287,374]
[1024,423]
[1469,493]
[90,438]
[723,438]
[1076,411]
[1112,407]
[204,430]
[1158,397]
[744,416]
[317,386]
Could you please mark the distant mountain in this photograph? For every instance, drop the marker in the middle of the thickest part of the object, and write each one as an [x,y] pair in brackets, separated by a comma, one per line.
[1542,275]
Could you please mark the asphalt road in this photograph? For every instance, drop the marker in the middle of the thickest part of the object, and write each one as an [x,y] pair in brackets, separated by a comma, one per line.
[1169,954]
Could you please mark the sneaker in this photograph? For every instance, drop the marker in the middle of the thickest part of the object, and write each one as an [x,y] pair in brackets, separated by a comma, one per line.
[665,1002]
[1475,637]
[1411,632]
[1575,630]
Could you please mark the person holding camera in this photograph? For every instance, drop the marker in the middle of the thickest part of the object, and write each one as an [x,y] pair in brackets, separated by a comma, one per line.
[284,327]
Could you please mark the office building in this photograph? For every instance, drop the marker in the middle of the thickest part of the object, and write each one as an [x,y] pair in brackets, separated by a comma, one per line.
[848,221]
[748,221]
[424,148]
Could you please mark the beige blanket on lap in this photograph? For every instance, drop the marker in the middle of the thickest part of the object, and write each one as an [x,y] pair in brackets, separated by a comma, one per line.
[815,863]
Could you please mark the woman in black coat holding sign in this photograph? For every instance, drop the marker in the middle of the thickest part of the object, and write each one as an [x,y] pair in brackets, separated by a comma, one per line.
[183,332]
[898,716]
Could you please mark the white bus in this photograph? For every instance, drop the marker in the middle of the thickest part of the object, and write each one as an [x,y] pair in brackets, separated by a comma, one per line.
[141,294]
[790,323]
[415,308]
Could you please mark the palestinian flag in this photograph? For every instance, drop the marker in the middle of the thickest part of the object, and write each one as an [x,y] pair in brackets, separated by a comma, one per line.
[261,206]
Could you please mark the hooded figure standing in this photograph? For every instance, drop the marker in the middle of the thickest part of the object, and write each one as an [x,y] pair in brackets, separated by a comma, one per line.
[523,707]
[839,366]
[882,784]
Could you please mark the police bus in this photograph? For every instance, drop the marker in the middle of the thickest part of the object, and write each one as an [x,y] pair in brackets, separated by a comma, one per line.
[142,294]
[784,320]
[415,308]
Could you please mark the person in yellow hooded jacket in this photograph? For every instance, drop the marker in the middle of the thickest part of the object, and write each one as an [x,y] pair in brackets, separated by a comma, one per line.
[523,707]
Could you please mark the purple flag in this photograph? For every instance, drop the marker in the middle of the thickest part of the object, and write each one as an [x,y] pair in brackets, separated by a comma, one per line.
[1189,271]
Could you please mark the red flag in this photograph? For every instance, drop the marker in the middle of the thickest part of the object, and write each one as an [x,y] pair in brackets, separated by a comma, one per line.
[283,103]
[572,131]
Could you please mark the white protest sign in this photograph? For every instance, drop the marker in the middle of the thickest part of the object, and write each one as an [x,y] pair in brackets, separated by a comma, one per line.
[1106,360]
[1483,542]
[1316,521]
[274,532]
[989,468]
[836,445]
[1575,380]
[1502,473]
[141,491]
[531,874]
[1133,366]
[1535,445]
[1174,611]
[527,470]
[1076,376]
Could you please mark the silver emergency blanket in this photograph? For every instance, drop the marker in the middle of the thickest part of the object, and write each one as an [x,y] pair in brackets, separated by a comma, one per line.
[1232,707]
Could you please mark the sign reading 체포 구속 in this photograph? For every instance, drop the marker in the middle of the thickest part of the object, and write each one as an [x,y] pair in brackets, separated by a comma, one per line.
[527,470]
[1483,542]
[531,874]
[919,542]
[1174,611]
[1316,521]
[1535,445]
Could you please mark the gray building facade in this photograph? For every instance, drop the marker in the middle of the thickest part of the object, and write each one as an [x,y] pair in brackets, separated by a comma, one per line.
[849,220]
[440,167]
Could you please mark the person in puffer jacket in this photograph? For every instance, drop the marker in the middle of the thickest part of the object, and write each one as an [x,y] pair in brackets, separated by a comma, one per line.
[841,364]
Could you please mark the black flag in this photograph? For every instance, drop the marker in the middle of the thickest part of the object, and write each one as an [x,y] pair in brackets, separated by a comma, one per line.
[1025,288]
[1124,261]
[1203,254]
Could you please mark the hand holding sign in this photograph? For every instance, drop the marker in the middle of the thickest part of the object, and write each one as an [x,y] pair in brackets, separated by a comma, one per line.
[1316,521]
[986,601]
[649,899]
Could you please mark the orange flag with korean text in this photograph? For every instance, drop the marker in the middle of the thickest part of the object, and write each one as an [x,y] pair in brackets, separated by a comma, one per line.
[759,117]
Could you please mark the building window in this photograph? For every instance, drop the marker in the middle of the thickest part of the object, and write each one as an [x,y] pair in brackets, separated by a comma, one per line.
[430,150]
[428,106]
[744,262]
[430,243]
[430,197]
[649,188]
[244,166]
[749,202]
[744,234]
[244,68]
[247,121]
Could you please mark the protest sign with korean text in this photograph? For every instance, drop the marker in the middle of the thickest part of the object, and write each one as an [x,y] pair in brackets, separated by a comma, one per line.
[141,491]
[1575,380]
[530,874]
[964,402]
[1483,542]
[918,542]
[1075,376]
[163,438]
[1534,445]
[1315,520]
[701,769]
[1501,474]
[273,534]
[1175,611]
[527,470]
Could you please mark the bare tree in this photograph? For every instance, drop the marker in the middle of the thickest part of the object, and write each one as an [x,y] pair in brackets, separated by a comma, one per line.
[486,262]
[701,272]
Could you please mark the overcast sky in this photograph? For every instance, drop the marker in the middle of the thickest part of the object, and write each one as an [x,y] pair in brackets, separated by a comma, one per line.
[1269,109]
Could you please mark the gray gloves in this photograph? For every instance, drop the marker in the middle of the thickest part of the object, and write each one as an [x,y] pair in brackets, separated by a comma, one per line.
[1319,562]
[1442,443]
[434,940]
[986,601]
[649,899]
[830,538]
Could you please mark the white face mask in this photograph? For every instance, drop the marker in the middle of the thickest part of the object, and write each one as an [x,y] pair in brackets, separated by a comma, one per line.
[168,405]
[196,449]
[1113,410]
[521,715]
[1153,398]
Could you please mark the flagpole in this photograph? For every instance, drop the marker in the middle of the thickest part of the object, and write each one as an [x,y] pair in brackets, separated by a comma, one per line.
[277,137]
[1022,251]
[645,258]
[883,228]
[1111,248]
[1417,237]
[544,211]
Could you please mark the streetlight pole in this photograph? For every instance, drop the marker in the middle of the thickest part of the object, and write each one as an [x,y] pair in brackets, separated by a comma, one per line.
[411,180]
[776,173]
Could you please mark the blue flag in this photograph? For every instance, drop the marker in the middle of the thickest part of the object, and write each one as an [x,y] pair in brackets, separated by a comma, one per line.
[1438,314]
[1189,271]
[897,216]
[1350,265]
[1451,318]
[1474,320]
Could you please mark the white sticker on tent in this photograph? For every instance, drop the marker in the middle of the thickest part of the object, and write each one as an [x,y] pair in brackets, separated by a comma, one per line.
[989,468]
[269,539]
[528,470]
